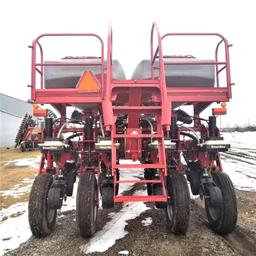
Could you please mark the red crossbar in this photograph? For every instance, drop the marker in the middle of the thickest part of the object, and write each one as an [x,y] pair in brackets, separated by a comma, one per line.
[142,166]
[156,198]
[137,136]
[138,181]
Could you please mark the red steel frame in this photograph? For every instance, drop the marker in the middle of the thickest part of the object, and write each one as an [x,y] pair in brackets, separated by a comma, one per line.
[58,96]
[110,102]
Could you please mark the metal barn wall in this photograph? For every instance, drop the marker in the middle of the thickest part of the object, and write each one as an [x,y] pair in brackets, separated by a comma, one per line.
[12,111]
[8,127]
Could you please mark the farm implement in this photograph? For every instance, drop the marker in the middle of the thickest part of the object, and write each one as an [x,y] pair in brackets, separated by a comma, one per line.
[29,133]
[105,118]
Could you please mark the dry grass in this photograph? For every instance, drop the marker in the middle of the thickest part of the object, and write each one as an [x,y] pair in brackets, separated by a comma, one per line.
[13,154]
[11,175]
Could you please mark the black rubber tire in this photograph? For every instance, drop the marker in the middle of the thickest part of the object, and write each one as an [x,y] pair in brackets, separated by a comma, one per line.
[70,177]
[193,177]
[223,219]
[149,174]
[87,204]
[117,185]
[107,197]
[103,179]
[178,207]
[158,190]
[70,184]
[41,219]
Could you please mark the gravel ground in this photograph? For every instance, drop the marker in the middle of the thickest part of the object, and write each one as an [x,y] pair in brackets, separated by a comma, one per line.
[155,239]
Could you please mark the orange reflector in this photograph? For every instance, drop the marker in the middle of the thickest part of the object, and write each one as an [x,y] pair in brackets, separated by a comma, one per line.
[88,83]
[219,111]
[40,112]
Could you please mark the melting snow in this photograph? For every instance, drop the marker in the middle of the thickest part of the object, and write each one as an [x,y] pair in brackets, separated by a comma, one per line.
[14,231]
[242,175]
[30,162]
[115,228]
[14,222]
[129,174]
[241,139]
[240,161]
[123,252]
[18,189]
[147,221]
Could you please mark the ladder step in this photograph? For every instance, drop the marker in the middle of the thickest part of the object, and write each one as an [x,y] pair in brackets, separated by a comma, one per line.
[141,166]
[137,136]
[155,198]
[137,108]
[137,181]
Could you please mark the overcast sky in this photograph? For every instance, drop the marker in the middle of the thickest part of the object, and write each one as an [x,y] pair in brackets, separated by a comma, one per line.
[22,21]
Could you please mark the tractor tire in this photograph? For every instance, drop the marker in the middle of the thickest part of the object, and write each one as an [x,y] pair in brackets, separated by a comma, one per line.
[108,197]
[87,204]
[41,219]
[223,217]
[178,207]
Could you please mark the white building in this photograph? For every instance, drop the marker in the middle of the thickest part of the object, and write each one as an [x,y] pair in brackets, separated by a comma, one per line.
[12,111]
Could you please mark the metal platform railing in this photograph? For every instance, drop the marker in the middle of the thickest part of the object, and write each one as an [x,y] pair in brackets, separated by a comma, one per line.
[220,66]
[38,63]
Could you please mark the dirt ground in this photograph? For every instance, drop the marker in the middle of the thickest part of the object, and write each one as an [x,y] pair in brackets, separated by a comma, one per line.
[141,240]
[155,239]
[12,175]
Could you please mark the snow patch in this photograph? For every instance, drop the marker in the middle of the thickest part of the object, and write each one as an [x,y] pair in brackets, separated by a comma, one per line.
[123,252]
[242,175]
[129,174]
[115,228]
[26,162]
[14,222]
[241,140]
[70,203]
[147,221]
[18,189]
[14,230]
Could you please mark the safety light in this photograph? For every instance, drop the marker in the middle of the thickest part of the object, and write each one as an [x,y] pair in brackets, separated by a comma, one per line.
[39,112]
[219,111]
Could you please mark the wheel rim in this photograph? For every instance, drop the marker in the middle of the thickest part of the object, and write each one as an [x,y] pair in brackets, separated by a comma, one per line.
[95,207]
[214,211]
[169,211]
[50,215]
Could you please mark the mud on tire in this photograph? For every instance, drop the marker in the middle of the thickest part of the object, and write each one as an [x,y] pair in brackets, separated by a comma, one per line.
[223,219]
[178,208]
[87,204]
[41,219]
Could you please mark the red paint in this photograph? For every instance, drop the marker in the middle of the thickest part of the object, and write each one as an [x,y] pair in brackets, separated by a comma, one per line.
[134,99]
